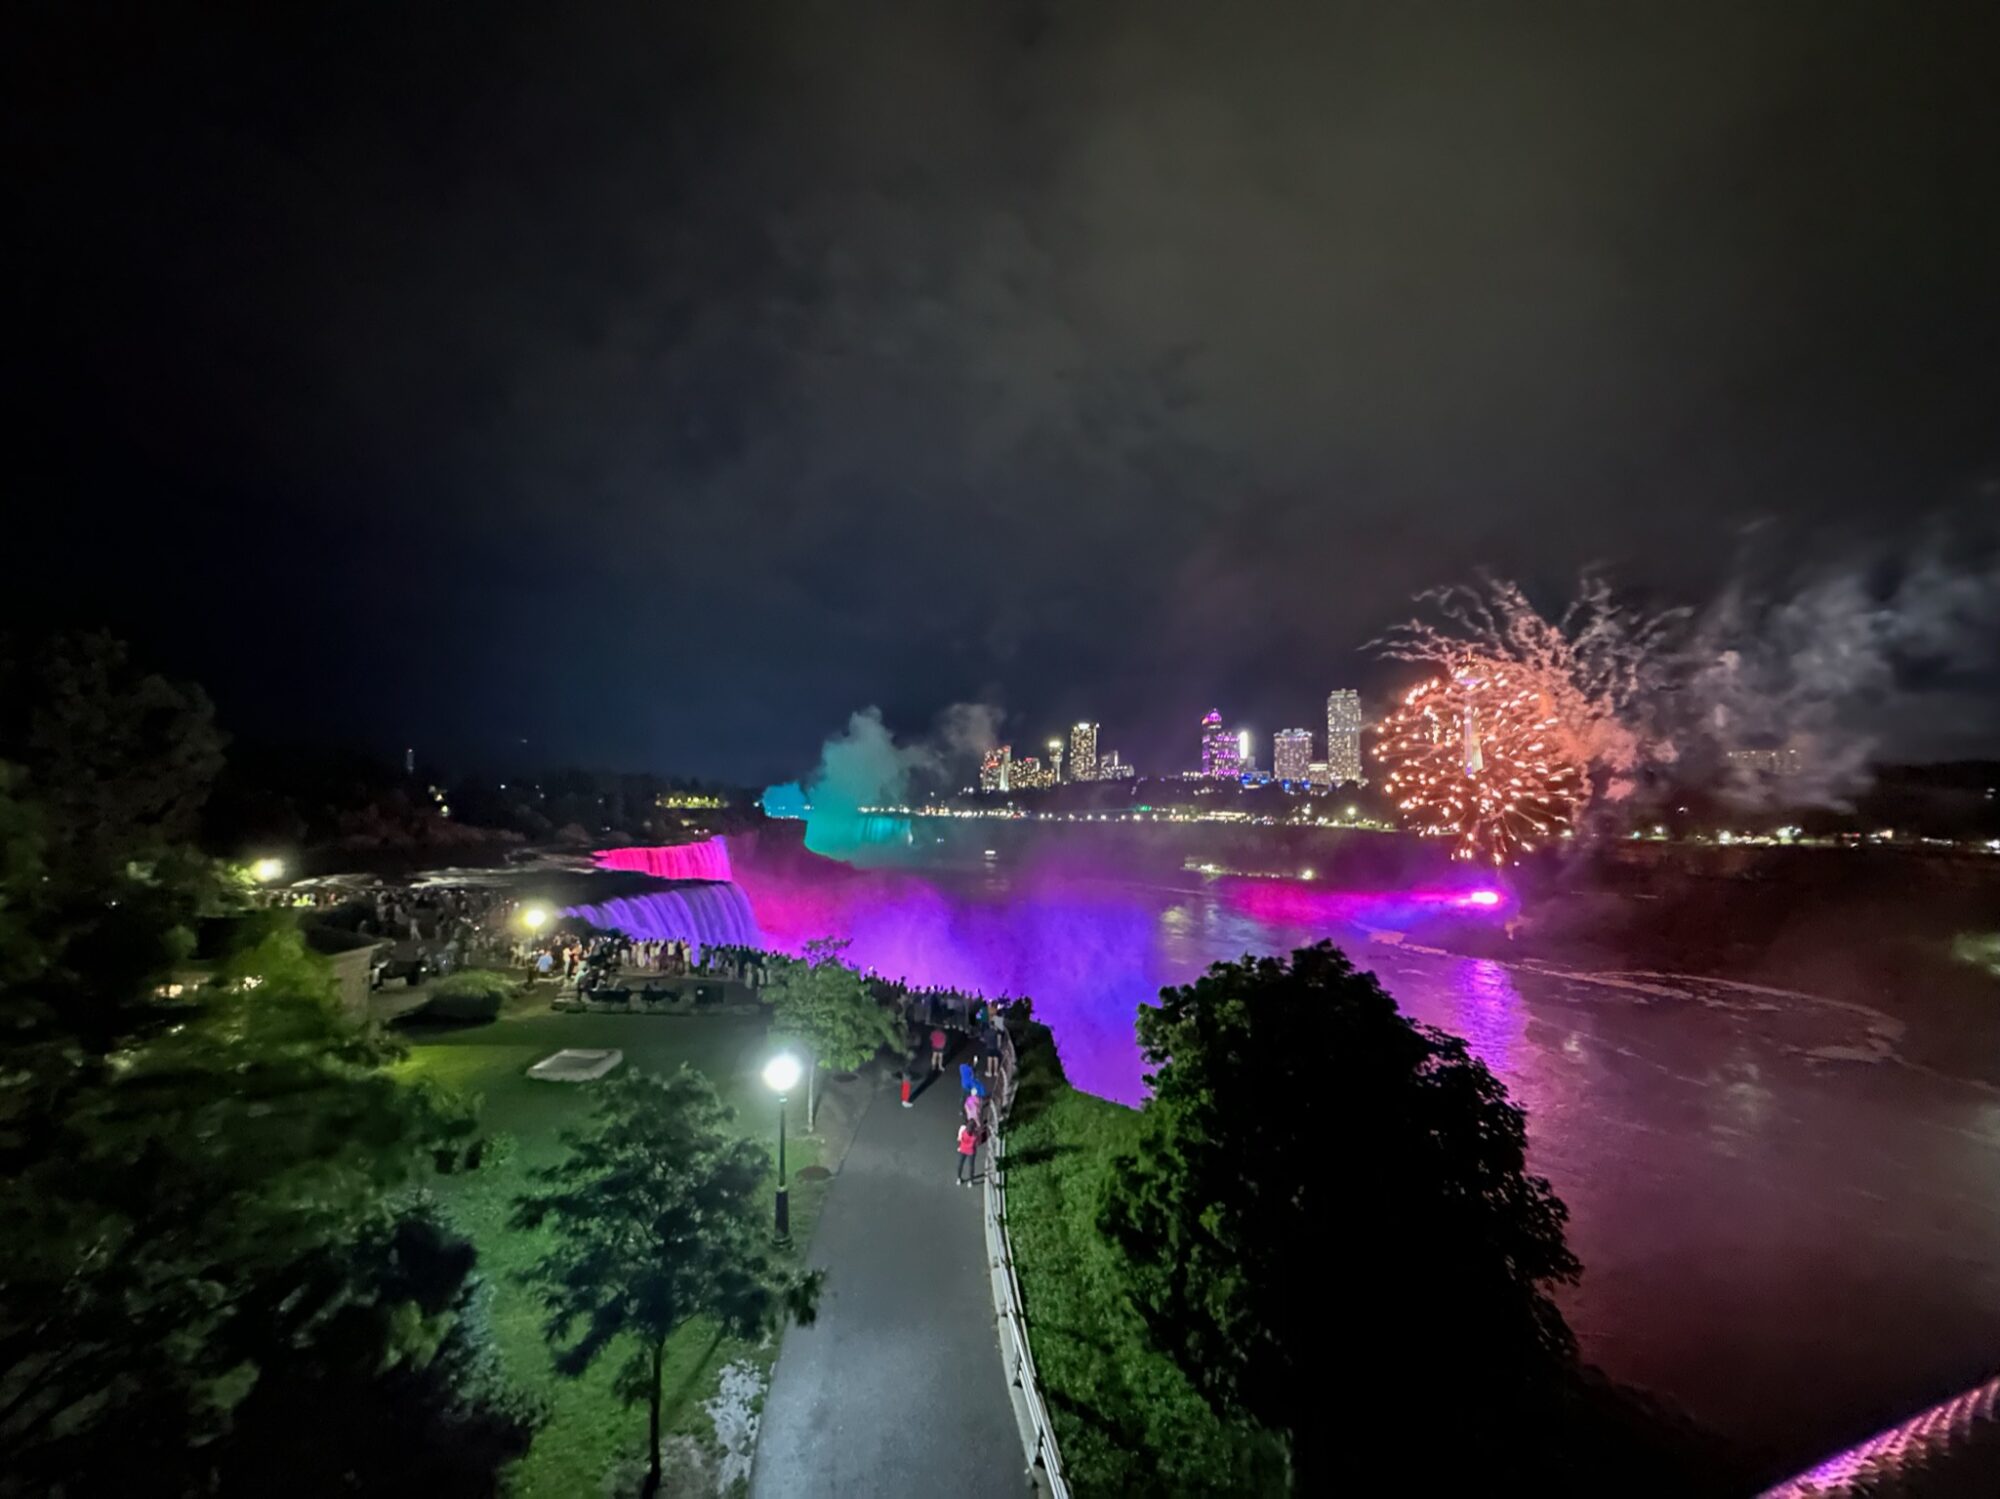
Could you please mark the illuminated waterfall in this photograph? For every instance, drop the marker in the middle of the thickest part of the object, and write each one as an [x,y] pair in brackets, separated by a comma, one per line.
[701,915]
[707,860]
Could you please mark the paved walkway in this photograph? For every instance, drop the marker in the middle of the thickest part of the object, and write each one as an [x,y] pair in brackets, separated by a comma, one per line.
[898,1388]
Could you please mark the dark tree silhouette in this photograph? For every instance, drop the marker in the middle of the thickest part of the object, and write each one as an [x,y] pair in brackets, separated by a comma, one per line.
[119,760]
[1330,1227]
[187,1165]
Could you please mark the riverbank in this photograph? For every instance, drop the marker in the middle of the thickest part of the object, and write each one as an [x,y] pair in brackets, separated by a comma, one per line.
[1119,1406]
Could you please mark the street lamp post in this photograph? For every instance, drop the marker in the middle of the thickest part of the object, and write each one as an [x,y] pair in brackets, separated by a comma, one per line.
[781,1075]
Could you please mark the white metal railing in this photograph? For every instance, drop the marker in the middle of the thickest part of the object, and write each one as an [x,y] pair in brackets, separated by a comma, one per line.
[1953,1448]
[1038,1437]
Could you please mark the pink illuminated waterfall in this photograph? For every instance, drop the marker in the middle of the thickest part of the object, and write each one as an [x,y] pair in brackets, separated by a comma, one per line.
[707,860]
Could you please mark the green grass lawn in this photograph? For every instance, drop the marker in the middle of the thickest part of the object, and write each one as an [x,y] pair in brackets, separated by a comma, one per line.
[588,1428]
[1120,1408]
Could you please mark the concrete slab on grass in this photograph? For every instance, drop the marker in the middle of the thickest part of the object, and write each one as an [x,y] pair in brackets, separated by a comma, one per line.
[575,1066]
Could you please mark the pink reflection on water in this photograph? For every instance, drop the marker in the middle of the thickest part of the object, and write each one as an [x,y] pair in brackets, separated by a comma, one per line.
[1089,951]
[1294,904]
[707,860]
[1487,1011]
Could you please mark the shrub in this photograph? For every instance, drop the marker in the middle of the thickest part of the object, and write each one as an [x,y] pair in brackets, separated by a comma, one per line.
[473,995]
[451,1123]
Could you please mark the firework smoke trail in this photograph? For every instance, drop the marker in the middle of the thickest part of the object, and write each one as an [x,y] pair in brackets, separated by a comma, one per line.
[1805,680]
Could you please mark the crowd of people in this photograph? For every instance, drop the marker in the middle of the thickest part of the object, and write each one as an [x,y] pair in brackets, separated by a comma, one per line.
[431,931]
[584,961]
[425,931]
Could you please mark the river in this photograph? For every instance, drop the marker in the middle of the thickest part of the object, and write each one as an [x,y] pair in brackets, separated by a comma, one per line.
[1788,1227]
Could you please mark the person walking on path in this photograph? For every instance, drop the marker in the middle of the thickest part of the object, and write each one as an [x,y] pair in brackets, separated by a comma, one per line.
[974,1106]
[968,1149]
[937,1050]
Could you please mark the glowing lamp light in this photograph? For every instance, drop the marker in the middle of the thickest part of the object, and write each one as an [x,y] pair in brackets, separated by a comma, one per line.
[267,870]
[781,1073]
[535,918]
[1483,898]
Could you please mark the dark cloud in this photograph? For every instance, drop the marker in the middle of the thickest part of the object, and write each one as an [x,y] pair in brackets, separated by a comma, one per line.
[657,383]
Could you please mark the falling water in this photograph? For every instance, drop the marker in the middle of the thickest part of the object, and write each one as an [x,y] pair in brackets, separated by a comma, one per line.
[701,915]
[707,860]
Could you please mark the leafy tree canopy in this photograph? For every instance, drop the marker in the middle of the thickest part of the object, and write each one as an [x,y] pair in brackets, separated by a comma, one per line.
[202,1178]
[1330,1226]
[659,1216]
[827,1006]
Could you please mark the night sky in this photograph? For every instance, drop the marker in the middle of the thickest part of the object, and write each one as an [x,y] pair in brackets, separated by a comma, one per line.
[657,384]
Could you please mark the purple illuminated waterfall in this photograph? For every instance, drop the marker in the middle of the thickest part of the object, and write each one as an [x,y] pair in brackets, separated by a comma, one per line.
[702,915]
[707,860]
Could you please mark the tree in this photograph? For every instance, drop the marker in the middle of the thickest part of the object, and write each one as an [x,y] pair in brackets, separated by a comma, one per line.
[1330,1227]
[226,1169]
[119,760]
[185,1166]
[658,1218]
[377,1375]
[826,1005]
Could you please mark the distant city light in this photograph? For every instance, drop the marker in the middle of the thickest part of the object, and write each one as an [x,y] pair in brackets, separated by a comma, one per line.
[1291,754]
[1083,752]
[1343,736]
[1221,751]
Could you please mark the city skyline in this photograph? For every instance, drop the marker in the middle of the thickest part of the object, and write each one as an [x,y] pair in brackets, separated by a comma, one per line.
[1222,752]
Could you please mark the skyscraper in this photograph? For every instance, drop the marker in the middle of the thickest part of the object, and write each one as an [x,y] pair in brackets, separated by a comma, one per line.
[1028,774]
[1221,755]
[1343,735]
[1291,754]
[1055,759]
[1083,752]
[993,769]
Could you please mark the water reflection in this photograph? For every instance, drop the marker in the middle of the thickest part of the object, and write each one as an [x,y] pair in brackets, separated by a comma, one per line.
[1489,1013]
[1785,1230]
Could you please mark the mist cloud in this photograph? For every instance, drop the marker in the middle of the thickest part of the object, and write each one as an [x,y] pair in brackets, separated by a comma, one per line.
[864,765]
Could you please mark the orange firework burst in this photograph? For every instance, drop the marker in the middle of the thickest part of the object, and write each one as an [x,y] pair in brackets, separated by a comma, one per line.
[1482,755]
